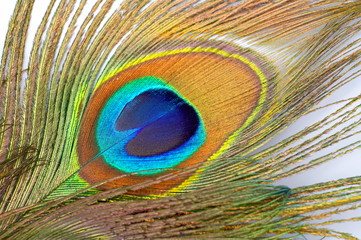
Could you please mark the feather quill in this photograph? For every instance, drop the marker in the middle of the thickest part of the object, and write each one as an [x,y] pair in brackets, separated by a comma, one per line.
[302,49]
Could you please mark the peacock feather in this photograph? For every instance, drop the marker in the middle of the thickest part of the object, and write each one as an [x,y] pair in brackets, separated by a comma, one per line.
[148,119]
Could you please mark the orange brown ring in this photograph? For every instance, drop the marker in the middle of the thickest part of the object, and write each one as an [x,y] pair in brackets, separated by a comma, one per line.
[195,79]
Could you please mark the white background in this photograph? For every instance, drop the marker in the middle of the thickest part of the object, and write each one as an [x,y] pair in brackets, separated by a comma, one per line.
[348,165]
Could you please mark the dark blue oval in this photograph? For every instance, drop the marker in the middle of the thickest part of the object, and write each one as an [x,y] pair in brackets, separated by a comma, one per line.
[165,122]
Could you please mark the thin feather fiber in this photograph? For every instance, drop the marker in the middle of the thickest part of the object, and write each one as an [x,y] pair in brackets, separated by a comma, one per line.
[313,51]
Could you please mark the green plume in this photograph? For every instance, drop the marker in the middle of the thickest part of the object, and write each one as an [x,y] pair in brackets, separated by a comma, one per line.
[302,51]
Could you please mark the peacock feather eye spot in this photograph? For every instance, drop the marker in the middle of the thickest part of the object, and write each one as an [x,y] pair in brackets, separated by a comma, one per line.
[166,112]
[165,122]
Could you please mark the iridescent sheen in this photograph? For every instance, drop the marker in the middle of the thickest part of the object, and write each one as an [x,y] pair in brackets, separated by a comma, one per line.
[127,123]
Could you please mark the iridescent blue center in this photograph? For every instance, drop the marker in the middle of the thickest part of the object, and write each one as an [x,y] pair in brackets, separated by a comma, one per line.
[147,126]
[165,121]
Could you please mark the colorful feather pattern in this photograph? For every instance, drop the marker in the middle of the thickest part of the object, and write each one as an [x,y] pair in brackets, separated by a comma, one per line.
[148,119]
